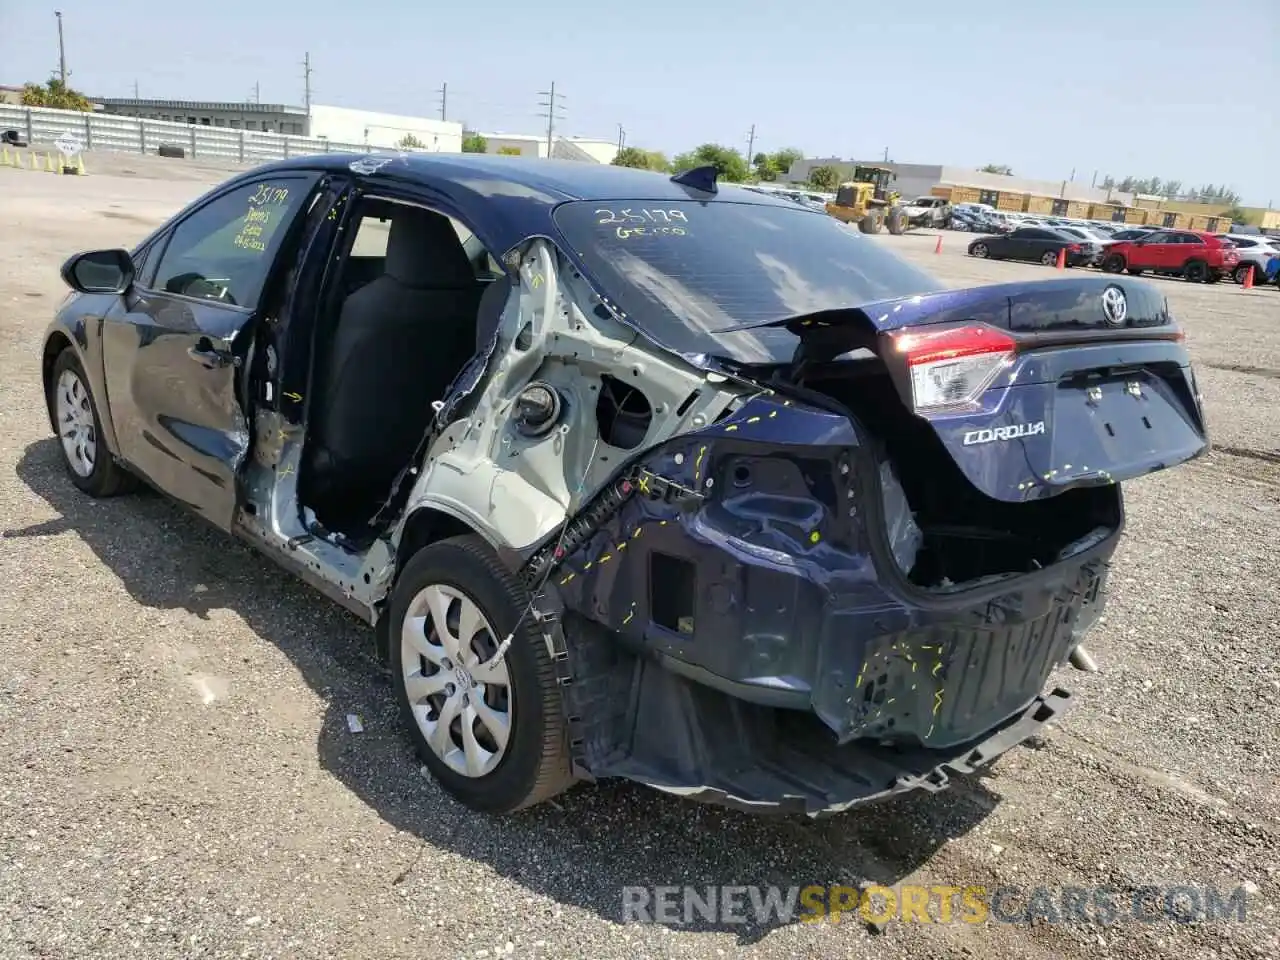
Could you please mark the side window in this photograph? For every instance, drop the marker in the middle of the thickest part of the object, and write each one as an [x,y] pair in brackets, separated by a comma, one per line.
[224,250]
[1156,238]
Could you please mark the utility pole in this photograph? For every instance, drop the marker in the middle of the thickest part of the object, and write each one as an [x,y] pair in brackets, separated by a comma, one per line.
[257,92]
[751,143]
[62,52]
[135,90]
[306,84]
[886,154]
[444,99]
[551,115]
[622,138]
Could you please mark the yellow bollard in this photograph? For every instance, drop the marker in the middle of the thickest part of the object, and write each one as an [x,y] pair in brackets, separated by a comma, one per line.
[49,165]
[80,165]
[17,160]
[4,158]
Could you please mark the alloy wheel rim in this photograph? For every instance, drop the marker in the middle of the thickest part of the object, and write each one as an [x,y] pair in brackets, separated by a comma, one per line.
[980,250]
[459,693]
[76,428]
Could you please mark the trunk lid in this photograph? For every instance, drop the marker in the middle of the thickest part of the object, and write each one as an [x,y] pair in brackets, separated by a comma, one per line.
[1033,388]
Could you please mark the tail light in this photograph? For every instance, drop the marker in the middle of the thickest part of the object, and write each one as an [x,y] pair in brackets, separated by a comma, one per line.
[950,368]
[1074,247]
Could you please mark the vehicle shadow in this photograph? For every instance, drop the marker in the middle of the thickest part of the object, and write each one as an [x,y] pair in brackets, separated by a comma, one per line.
[580,850]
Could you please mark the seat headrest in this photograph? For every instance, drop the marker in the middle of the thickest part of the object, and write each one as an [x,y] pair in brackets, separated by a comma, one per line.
[423,250]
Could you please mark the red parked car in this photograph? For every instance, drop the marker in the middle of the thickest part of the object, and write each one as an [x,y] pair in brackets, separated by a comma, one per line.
[1199,257]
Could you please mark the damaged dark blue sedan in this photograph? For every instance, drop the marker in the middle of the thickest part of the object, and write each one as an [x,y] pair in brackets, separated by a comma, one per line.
[635,476]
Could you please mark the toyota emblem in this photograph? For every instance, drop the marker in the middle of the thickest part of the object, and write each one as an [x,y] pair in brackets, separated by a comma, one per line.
[1115,308]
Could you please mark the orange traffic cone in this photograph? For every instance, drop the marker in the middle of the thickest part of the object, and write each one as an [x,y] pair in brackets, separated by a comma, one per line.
[1248,278]
[938,246]
[1062,259]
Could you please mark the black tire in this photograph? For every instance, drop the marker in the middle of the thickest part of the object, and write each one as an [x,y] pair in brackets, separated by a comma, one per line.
[870,223]
[535,766]
[897,222]
[1049,258]
[980,250]
[1242,271]
[1135,271]
[1197,271]
[107,478]
[1114,263]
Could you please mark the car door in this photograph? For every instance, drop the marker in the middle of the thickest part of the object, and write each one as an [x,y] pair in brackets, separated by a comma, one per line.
[172,349]
[1155,251]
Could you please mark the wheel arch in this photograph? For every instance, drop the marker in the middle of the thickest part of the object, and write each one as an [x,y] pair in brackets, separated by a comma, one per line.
[54,344]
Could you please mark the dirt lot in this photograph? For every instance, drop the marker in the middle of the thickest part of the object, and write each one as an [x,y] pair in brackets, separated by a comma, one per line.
[177,777]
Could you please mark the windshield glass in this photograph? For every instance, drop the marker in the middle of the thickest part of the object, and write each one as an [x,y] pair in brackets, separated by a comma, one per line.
[686,273]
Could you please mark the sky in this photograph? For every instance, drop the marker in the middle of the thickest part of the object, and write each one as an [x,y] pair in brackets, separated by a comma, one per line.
[1178,89]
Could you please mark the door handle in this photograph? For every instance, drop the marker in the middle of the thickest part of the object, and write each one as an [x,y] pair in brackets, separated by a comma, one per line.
[210,357]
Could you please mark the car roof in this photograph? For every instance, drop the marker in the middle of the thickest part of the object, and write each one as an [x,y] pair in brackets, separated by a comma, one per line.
[508,199]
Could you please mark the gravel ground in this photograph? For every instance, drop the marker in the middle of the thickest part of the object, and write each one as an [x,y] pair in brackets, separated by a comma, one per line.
[177,777]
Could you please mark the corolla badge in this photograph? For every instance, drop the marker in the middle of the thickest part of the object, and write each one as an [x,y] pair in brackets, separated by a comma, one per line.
[1013,432]
[1115,308]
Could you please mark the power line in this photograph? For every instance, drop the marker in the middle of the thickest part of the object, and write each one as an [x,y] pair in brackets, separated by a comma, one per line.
[551,114]
[444,99]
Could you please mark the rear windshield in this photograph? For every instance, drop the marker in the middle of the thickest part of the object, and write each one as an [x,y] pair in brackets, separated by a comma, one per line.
[686,272]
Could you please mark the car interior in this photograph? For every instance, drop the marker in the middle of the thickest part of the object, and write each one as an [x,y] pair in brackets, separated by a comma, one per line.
[406,319]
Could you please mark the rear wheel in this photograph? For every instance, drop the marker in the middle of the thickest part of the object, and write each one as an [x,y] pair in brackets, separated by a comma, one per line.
[490,729]
[980,251]
[75,414]
[1049,258]
[1241,272]
[870,223]
[1113,263]
[1196,271]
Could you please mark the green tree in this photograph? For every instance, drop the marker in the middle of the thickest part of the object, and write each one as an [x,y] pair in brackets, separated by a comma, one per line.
[783,160]
[1000,168]
[55,94]
[641,159]
[1237,214]
[825,178]
[474,143]
[410,142]
[729,163]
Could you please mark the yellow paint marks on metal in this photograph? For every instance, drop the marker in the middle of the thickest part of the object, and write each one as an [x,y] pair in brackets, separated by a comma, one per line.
[937,702]
[772,414]
[567,579]
[286,471]
[936,667]
[295,397]
[630,613]
[753,419]
[891,701]
[605,559]
[815,537]
[536,282]
[587,566]
[786,403]
[622,546]
[643,483]
[282,435]
[731,428]
[663,523]
[639,530]
[697,465]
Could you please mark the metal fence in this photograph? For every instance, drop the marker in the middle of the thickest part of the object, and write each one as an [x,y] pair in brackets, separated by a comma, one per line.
[104,131]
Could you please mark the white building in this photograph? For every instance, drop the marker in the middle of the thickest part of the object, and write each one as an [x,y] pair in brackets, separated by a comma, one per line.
[585,149]
[384,130]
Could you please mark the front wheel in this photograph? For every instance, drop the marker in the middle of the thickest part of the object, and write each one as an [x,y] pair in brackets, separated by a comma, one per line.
[980,251]
[1242,273]
[489,727]
[1113,264]
[74,414]
[869,223]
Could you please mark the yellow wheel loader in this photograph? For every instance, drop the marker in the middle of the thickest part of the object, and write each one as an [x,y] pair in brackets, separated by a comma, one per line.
[867,201]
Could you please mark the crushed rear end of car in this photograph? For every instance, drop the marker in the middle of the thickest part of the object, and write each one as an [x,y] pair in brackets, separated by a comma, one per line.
[859,581]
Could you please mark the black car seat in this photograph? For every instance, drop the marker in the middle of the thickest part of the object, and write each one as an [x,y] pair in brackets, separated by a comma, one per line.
[492,303]
[398,343]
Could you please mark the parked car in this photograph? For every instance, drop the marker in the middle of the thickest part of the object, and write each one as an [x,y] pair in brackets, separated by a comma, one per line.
[1199,257]
[634,476]
[1132,233]
[1090,242]
[1255,252]
[1040,244]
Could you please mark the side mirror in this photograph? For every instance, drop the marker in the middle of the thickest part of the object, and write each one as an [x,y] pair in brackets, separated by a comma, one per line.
[100,271]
